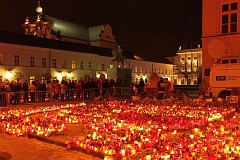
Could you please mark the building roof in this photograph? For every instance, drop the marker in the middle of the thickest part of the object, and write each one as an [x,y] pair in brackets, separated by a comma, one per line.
[94,32]
[77,31]
[28,40]
[69,29]
[159,60]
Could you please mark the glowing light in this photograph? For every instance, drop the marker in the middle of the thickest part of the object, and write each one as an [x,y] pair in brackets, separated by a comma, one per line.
[70,74]
[8,75]
[59,75]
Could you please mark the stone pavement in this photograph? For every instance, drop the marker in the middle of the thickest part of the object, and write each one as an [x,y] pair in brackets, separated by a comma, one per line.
[24,148]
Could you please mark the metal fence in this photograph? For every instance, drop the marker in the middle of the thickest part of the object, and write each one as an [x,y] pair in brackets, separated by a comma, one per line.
[22,97]
[189,91]
[16,98]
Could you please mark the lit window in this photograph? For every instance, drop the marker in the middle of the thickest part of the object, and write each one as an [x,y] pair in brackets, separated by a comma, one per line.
[32,78]
[73,64]
[141,69]
[135,69]
[111,66]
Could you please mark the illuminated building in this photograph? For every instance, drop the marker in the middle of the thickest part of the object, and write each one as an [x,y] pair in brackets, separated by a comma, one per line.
[220,34]
[187,64]
[57,49]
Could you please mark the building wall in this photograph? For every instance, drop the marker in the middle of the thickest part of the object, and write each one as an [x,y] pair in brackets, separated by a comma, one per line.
[217,42]
[144,69]
[99,64]
[189,59]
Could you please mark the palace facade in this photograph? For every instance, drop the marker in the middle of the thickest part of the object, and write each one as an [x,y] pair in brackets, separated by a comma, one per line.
[187,66]
[57,49]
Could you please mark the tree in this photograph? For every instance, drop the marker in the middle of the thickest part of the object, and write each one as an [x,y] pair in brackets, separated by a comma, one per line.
[18,75]
[47,76]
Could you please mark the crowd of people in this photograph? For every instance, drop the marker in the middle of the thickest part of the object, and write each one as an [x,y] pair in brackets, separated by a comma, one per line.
[13,92]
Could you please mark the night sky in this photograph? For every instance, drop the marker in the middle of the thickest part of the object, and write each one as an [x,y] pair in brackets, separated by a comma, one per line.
[149,28]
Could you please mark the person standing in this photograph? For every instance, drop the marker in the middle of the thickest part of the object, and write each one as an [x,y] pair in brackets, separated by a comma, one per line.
[25,90]
[44,90]
[63,90]
[49,90]
[79,89]
[141,86]
[161,88]
[32,89]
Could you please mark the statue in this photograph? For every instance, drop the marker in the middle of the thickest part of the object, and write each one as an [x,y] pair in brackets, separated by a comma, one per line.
[118,56]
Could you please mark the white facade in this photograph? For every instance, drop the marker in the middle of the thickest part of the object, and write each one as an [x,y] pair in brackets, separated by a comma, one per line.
[33,63]
[186,64]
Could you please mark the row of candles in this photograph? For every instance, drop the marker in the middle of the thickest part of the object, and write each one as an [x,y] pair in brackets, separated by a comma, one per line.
[125,133]
[119,129]
[42,121]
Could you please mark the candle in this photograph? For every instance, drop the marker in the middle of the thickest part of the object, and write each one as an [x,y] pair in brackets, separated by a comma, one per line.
[148,157]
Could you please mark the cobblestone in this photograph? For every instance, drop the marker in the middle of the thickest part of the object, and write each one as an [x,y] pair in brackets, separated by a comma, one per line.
[24,148]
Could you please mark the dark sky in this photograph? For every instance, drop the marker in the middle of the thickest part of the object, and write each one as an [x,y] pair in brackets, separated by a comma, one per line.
[149,28]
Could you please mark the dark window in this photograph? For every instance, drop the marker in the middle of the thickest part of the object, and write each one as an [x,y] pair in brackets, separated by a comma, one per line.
[224,19]
[103,67]
[63,63]
[89,65]
[234,27]
[224,61]
[229,18]
[233,17]
[224,23]
[175,81]
[195,82]
[225,28]
[17,60]
[32,61]
[233,60]
[234,22]
[82,65]
[54,63]
[44,62]
[225,7]
[234,6]
[207,72]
